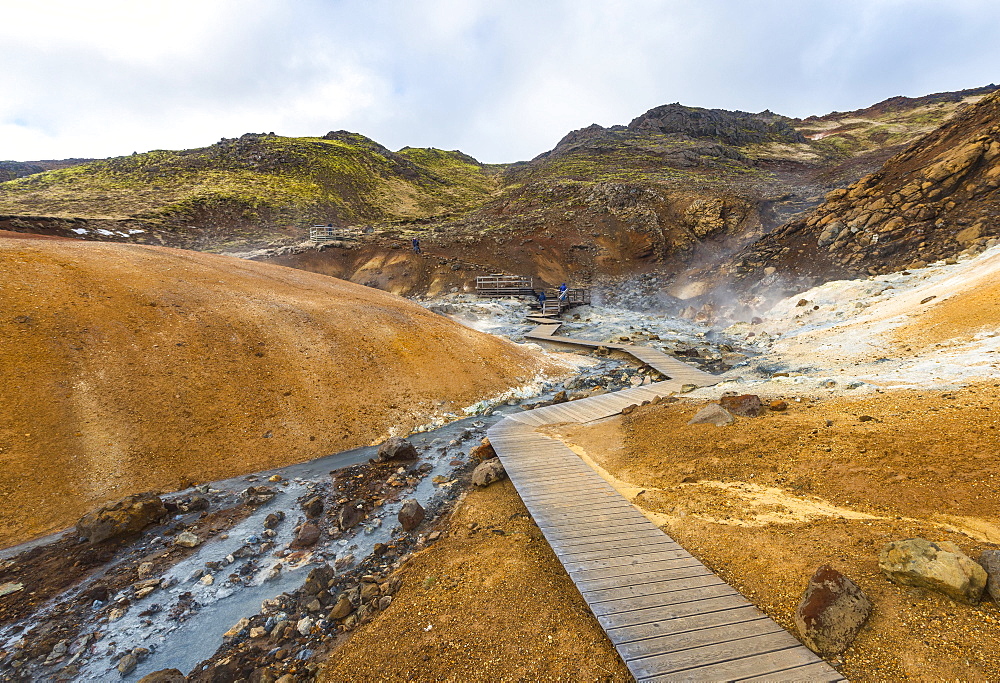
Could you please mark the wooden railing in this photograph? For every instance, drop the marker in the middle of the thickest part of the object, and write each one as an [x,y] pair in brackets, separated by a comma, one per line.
[504,285]
[323,233]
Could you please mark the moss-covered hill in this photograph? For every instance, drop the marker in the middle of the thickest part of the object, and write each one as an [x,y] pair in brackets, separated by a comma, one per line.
[258,183]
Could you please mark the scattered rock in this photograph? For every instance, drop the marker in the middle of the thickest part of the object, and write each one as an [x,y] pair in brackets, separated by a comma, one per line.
[307,536]
[127,664]
[313,507]
[344,562]
[777,406]
[304,625]
[747,405]
[713,414]
[145,570]
[488,472]
[275,478]
[341,608]
[411,514]
[940,567]
[927,299]
[629,409]
[237,628]
[832,612]
[273,520]
[186,539]
[258,495]
[198,503]
[351,514]
[990,561]
[125,517]
[397,449]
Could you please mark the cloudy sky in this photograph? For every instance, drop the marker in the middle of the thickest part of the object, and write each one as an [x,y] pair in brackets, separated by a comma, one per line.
[502,80]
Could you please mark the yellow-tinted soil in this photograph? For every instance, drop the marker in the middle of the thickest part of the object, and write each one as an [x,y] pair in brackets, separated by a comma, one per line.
[768,500]
[128,368]
[958,317]
[482,606]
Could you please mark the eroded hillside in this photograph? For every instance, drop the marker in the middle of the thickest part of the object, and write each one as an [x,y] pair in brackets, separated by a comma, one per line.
[130,368]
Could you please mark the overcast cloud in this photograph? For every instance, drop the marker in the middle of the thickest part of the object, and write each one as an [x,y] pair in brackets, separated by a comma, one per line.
[502,80]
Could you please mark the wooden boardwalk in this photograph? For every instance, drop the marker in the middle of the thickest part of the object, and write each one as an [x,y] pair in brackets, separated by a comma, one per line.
[669,617]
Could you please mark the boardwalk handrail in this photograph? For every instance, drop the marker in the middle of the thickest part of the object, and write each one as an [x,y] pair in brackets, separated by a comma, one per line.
[322,233]
[501,285]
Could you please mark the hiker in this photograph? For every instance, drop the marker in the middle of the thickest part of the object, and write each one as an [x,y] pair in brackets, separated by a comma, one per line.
[416,246]
[541,297]
[563,292]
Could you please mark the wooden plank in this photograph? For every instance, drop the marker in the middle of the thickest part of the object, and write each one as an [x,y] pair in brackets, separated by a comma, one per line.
[672,611]
[609,550]
[758,655]
[817,671]
[659,600]
[622,587]
[624,635]
[687,640]
[670,557]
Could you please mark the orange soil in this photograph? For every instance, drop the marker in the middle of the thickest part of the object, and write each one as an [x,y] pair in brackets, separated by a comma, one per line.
[766,501]
[958,317]
[129,368]
[499,607]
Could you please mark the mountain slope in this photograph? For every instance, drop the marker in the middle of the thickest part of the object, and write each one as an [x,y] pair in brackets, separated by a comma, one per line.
[253,187]
[129,368]
[938,198]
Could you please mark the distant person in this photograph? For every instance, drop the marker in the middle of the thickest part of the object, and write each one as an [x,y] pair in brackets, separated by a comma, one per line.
[541,297]
[563,292]
[416,246]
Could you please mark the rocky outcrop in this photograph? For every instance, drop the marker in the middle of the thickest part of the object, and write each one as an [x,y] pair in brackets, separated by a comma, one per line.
[731,127]
[989,560]
[938,198]
[122,518]
[941,567]
[831,612]
[747,405]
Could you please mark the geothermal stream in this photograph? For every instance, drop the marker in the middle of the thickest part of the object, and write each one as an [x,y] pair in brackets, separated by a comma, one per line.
[231,574]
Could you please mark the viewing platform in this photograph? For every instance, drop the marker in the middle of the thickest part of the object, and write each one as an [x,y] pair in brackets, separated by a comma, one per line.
[328,233]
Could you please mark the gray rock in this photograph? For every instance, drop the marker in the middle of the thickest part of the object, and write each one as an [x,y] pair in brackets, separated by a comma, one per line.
[411,514]
[940,567]
[832,612]
[488,472]
[990,561]
[122,518]
[186,539]
[713,414]
[397,449]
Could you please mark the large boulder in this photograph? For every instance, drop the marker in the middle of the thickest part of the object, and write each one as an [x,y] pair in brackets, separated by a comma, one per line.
[488,472]
[411,514]
[712,414]
[122,518]
[940,567]
[832,612]
[990,561]
[747,405]
[397,449]
[351,514]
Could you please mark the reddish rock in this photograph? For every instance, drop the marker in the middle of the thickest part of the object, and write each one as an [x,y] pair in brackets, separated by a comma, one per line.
[747,405]
[778,406]
[484,451]
[351,514]
[306,537]
[411,514]
[832,612]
